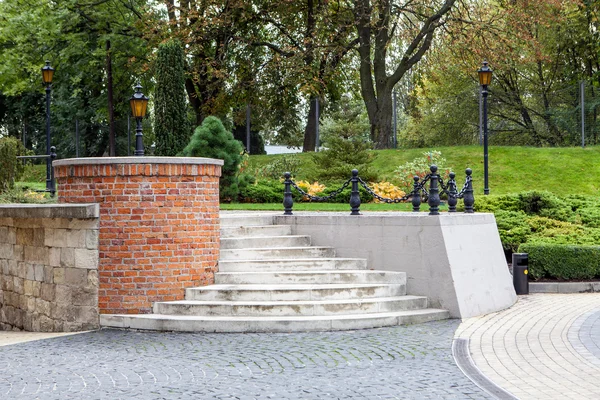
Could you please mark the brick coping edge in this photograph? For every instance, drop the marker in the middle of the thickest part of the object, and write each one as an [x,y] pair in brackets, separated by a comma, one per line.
[138,160]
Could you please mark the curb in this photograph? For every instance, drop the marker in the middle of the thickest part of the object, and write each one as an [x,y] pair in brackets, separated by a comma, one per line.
[564,287]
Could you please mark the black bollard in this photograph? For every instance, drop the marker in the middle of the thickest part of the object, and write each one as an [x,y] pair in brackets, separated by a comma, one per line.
[468,198]
[416,195]
[434,192]
[355,195]
[452,193]
[288,202]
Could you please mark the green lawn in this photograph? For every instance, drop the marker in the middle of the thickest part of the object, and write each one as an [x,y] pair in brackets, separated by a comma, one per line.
[564,170]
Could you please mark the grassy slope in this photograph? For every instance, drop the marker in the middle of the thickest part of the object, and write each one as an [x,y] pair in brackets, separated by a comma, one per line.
[511,169]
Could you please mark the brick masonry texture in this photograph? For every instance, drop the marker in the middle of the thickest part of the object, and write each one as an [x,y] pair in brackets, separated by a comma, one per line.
[159,227]
[48,274]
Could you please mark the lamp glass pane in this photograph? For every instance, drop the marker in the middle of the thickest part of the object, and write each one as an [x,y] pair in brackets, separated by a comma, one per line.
[47,75]
[485,77]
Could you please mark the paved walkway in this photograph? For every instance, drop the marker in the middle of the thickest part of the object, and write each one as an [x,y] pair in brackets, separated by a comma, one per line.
[547,346]
[404,362]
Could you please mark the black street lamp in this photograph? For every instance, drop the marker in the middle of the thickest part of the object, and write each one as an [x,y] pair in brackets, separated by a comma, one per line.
[47,75]
[138,103]
[485,78]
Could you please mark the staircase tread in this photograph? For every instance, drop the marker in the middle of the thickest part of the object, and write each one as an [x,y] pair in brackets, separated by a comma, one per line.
[318,271]
[289,286]
[279,248]
[265,237]
[290,260]
[293,302]
[423,311]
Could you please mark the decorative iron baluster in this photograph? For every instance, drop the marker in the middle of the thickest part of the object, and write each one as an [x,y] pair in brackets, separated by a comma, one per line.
[434,193]
[354,195]
[416,195]
[452,193]
[469,198]
[288,202]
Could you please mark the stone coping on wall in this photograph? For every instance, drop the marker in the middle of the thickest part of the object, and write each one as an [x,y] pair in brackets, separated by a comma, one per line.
[137,160]
[68,211]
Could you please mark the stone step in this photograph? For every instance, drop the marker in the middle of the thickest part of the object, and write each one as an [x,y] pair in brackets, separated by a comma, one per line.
[245,220]
[297,264]
[295,292]
[181,323]
[310,277]
[265,242]
[277,253]
[290,308]
[266,230]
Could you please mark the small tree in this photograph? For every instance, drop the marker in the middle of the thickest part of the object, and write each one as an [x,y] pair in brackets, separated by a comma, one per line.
[170,107]
[211,139]
[11,168]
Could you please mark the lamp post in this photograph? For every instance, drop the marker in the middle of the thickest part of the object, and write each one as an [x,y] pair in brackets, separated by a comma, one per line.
[485,77]
[138,103]
[47,75]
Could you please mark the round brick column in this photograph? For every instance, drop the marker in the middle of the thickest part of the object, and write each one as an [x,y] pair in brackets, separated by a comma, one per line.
[159,224]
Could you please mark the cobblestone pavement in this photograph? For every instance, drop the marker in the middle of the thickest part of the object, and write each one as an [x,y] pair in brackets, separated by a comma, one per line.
[547,346]
[404,362]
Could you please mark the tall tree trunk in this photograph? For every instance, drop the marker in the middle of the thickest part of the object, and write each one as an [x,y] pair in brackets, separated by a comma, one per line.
[111,111]
[310,130]
[381,123]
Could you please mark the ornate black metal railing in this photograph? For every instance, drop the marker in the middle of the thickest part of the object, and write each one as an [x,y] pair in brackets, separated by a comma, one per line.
[437,188]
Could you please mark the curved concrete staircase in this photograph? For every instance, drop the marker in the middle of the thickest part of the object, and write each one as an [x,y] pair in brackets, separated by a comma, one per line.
[272,281]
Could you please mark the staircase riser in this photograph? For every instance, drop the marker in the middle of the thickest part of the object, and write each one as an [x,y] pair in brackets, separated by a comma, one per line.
[291,265]
[290,310]
[263,326]
[276,253]
[273,230]
[303,278]
[246,221]
[296,295]
[264,242]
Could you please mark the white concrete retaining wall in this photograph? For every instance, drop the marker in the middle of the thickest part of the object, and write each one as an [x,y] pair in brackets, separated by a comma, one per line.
[455,259]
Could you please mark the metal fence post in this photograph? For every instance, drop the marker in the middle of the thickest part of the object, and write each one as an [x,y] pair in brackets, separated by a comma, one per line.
[288,202]
[416,198]
[468,198]
[355,195]
[452,193]
[434,193]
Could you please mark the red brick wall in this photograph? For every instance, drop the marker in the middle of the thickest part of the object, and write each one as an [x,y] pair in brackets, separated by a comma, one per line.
[159,228]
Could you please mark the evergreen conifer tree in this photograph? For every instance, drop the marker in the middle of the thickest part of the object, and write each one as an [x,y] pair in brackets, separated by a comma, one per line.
[212,140]
[170,108]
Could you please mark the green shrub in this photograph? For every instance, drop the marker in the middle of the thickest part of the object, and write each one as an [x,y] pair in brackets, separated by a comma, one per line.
[11,168]
[275,169]
[337,162]
[211,139]
[344,196]
[589,216]
[513,228]
[263,191]
[562,261]
[420,167]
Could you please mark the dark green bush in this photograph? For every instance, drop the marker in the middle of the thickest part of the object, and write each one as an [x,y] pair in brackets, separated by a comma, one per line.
[11,168]
[343,155]
[275,169]
[263,191]
[344,196]
[513,228]
[211,139]
[562,261]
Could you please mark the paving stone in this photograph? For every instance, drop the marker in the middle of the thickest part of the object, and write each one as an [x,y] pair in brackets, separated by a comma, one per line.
[402,362]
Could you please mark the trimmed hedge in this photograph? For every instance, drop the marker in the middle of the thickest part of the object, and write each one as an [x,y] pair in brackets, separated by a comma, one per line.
[562,261]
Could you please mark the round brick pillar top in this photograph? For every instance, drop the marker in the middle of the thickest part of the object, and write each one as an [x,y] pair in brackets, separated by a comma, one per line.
[137,160]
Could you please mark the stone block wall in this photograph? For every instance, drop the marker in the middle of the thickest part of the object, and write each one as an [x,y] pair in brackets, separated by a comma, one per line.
[159,226]
[49,268]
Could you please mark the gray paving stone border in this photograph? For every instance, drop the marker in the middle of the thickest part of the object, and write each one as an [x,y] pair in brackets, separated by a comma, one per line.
[564,287]
[460,352]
